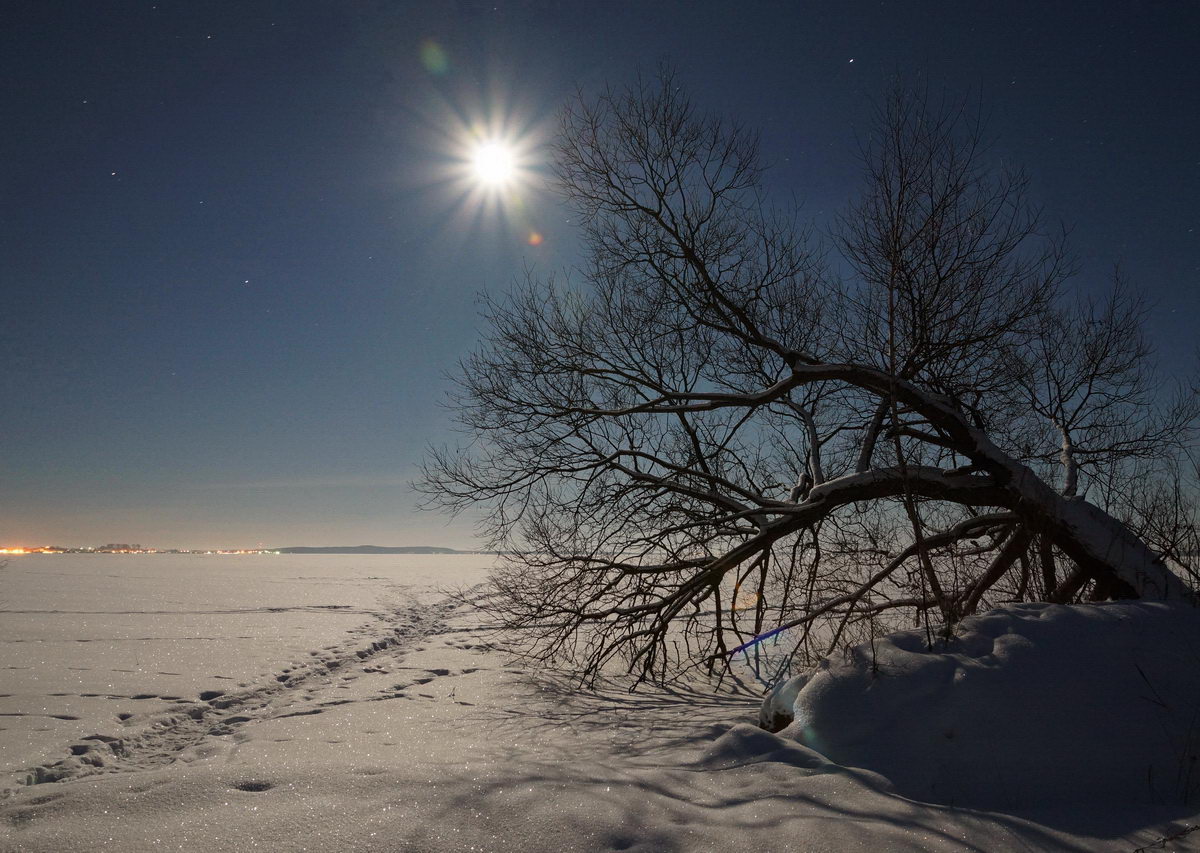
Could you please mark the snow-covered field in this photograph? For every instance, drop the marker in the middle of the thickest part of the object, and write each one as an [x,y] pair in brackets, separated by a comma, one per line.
[343,703]
[85,638]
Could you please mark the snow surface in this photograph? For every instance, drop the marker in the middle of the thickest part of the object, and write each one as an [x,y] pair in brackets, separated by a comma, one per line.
[410,730]
[1024,707]
[87,637]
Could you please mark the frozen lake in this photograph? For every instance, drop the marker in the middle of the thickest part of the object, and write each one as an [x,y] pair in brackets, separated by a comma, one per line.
[86,638]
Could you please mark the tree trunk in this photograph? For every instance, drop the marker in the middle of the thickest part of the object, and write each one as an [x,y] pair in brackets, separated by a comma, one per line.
[1100,544]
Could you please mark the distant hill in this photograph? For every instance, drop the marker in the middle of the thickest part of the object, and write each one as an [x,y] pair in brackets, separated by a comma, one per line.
[368,549]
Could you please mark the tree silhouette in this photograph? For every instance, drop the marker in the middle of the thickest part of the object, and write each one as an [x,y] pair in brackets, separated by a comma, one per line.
[715,430]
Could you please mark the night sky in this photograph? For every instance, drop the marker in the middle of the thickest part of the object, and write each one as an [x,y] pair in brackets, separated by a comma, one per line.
[239,258]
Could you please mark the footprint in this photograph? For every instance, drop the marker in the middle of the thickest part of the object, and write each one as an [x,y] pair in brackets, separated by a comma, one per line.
[18,817]
[299,714]
[44,799]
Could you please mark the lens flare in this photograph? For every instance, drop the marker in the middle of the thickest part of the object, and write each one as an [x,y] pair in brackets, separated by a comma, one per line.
[744,599]
[434,58]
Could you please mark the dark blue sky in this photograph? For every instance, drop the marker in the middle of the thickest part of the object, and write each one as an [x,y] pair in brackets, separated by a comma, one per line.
[234,276]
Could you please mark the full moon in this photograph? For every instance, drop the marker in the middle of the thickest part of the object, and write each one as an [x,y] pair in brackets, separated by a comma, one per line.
[494,163]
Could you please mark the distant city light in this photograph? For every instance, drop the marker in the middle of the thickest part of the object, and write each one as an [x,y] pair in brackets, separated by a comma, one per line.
[130,549]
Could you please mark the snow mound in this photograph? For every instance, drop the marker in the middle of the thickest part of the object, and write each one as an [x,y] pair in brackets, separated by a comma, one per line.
[744,744]
[1031,705]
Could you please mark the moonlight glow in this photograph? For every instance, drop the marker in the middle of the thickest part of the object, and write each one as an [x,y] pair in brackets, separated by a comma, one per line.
[488,164]
[494,163]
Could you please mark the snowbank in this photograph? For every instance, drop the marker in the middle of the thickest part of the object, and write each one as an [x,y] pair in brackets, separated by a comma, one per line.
[1025,707]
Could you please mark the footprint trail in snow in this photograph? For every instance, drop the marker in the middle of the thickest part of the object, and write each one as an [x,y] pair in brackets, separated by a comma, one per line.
[368,667]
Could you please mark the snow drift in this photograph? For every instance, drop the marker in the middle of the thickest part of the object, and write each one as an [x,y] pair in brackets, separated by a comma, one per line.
[1028,706]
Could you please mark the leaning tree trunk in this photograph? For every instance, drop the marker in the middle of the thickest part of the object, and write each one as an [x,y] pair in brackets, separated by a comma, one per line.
[1100,544]
[1103,548]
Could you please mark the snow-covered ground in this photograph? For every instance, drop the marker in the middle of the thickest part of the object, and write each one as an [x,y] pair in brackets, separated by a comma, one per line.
[399,726]
[85,638]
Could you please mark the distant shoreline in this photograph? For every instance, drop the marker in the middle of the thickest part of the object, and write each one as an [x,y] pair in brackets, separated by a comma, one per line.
[373,549]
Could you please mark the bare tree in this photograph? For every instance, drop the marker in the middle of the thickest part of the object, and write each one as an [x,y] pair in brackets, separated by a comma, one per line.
[711,433]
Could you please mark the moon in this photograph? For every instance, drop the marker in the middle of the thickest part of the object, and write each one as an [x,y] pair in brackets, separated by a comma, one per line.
[494,163]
